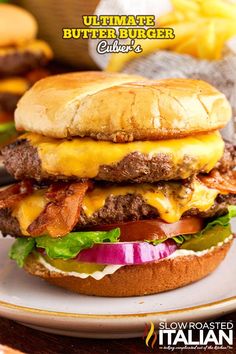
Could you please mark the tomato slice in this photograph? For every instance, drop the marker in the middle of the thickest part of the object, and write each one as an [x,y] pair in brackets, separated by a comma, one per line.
[6,117]
[154,229]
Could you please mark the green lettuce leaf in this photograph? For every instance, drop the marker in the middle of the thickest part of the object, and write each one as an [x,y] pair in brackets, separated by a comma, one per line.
[7,126]
[20,250]
[63,247]
[7,132]
[70,245]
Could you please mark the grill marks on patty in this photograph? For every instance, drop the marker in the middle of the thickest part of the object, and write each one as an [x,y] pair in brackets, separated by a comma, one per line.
[22,161]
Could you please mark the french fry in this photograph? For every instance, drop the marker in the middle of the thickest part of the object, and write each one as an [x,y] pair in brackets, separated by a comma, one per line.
[207,42]
[188,47]
[176,17]
[201,29]
[191,15]
[218,8]
[219,45]
[225,30]
[226,27]
[186,5]
[183,31]
[170,18]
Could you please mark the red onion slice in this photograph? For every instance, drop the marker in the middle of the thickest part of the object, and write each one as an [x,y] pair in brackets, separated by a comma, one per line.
[124,253]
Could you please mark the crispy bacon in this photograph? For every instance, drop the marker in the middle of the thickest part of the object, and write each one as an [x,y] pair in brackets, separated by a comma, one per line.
[62,212]
[12,195]
[224,182]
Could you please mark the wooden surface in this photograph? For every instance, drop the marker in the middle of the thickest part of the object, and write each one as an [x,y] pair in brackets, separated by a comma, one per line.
[34,342]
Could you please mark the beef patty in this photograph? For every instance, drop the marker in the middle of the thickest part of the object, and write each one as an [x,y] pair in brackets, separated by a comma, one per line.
[119,209]
[20,62]
[22,161]
[8,101]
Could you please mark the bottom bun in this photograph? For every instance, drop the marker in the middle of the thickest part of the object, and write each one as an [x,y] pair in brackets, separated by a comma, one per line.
[149,278]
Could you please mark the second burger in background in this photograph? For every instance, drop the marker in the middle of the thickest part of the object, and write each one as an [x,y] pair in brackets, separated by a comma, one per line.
[127,187]
[22,61]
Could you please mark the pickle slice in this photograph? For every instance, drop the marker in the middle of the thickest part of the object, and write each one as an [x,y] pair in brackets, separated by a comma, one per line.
[208,239]
[70,265]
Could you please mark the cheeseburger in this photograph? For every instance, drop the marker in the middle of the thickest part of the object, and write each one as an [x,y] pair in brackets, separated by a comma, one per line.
[125,184]
[22,58]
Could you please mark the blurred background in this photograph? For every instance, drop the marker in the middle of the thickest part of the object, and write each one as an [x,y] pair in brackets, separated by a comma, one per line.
[31,46]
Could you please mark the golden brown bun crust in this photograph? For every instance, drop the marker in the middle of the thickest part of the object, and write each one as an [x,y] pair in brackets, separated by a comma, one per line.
[17,25]
[121,107]
[144,279]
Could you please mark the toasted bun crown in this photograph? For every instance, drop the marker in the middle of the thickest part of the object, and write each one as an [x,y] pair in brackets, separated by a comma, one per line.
[121,107]
[17,25]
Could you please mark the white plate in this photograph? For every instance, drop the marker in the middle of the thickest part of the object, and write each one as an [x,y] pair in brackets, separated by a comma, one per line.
[35,303]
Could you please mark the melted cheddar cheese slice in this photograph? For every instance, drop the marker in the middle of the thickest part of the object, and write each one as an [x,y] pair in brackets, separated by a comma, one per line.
[171,200]
[14,85]
[29,208]
[35,46]
[82,157]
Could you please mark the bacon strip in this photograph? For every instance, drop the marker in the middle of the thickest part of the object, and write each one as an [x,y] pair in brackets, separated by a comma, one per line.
[62,212]
[225,183]
[12,195]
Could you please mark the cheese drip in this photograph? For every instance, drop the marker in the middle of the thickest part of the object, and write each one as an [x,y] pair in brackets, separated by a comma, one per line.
[170,200]
[82,157]
[29,208]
